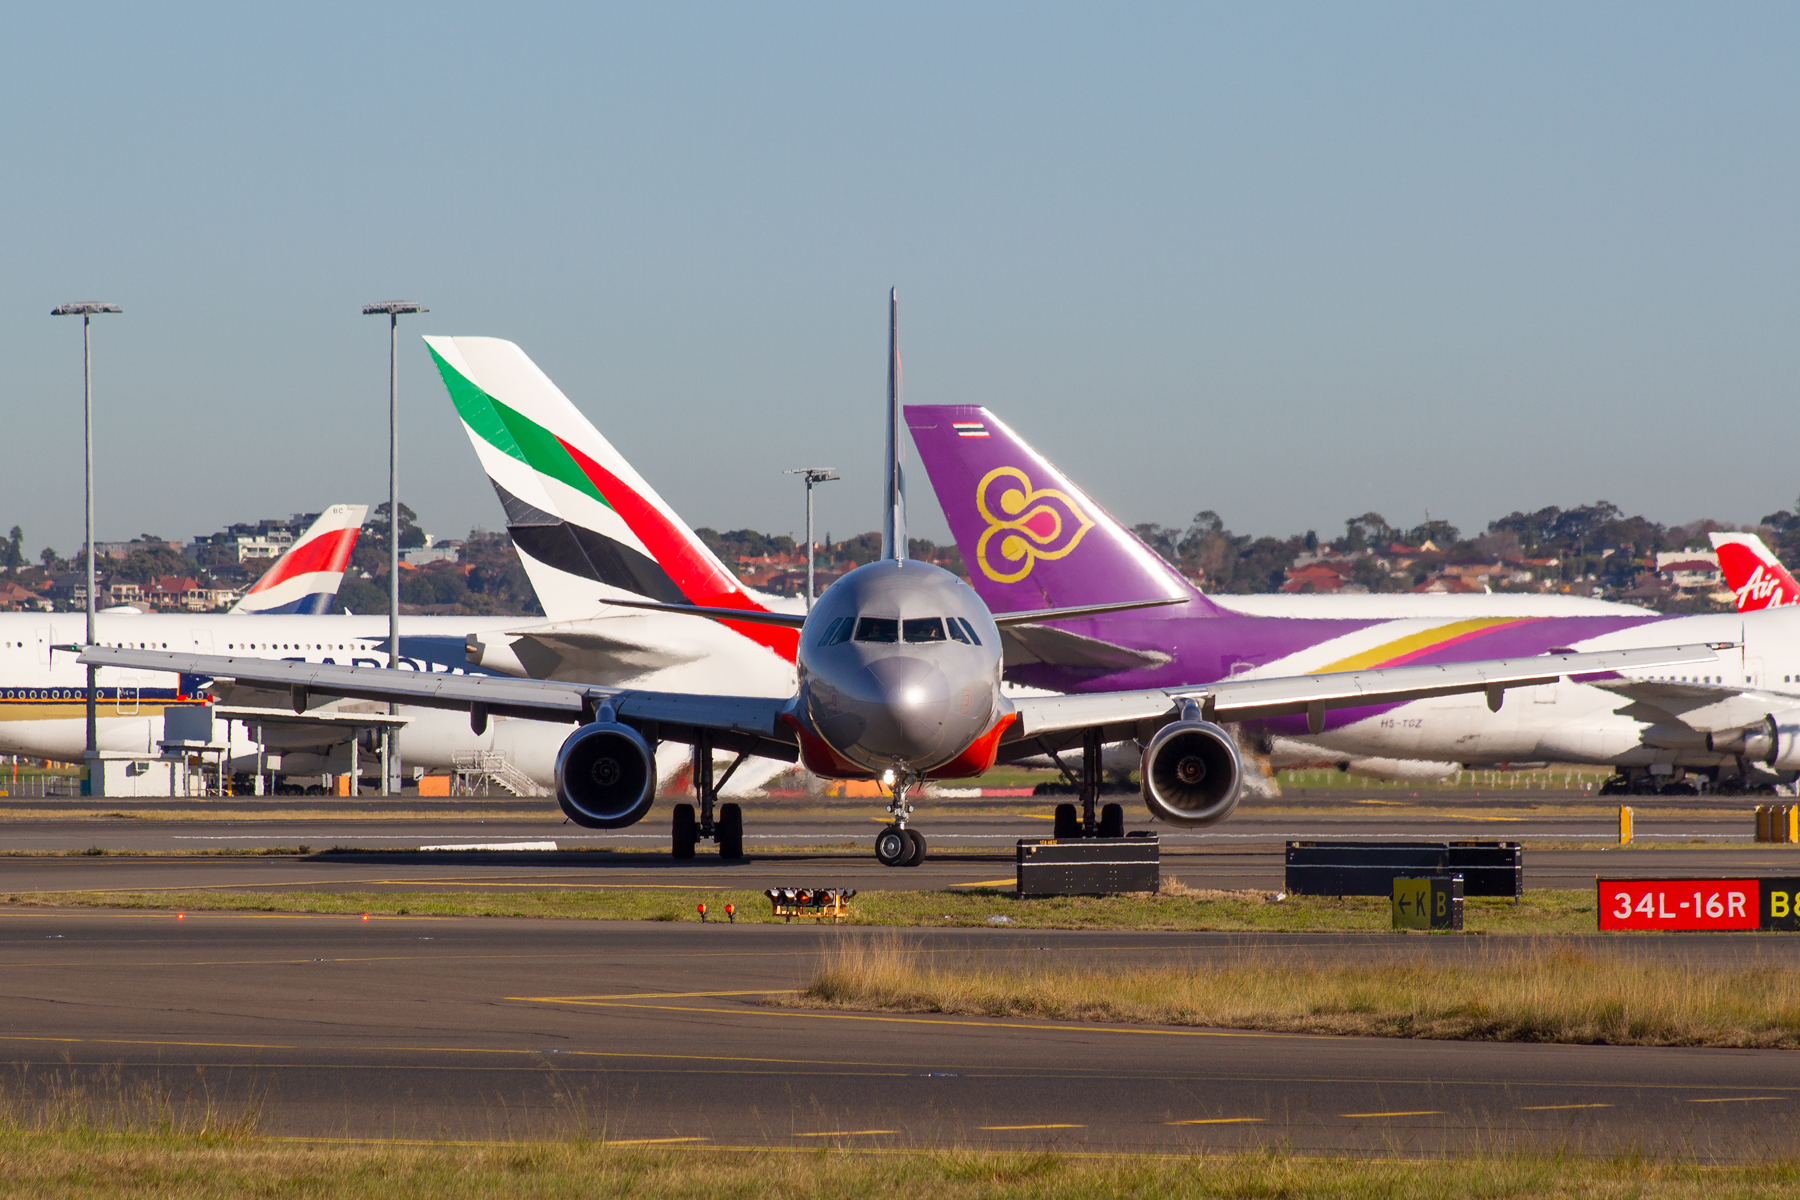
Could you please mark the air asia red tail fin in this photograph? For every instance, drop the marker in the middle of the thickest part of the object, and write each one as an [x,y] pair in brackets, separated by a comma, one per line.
[1753,573]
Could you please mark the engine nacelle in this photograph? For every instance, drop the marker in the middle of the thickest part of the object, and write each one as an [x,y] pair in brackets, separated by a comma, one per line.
[605,776]
[1774,742]
[1192,774]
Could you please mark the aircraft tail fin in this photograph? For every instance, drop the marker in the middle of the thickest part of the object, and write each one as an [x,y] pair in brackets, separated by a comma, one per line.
[1030,538]
[585,524]
[308,574]
[1753,573]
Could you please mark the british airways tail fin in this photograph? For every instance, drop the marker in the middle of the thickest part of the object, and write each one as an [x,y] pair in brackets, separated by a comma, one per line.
[585,524]
[1753,573]
[307,576]
[1029,537]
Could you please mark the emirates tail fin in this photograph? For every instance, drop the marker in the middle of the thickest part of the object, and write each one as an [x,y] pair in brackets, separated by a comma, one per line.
[586,525]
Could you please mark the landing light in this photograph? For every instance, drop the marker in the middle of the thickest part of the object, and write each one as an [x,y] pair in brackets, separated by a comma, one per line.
[887,777]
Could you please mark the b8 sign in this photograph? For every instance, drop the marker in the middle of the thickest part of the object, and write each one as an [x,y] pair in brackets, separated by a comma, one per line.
[1680,904]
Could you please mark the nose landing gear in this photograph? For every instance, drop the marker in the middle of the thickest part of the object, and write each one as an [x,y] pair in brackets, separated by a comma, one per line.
[896,845]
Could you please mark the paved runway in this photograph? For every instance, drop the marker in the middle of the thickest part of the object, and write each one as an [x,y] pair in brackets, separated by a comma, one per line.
[1259,868]
[466,1028]
[827,843]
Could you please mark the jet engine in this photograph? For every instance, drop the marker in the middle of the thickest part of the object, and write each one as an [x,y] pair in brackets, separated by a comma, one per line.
[605,775]
[1774,741]
[1191,772]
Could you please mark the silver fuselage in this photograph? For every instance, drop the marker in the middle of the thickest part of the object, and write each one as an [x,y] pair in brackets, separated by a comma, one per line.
[906,705]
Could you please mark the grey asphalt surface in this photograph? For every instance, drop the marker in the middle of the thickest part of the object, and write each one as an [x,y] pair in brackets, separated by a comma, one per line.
[467,1028]
[1258,868]
[782,823]
[793,842]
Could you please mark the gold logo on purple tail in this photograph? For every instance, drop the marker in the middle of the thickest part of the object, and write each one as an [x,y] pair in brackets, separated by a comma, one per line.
[1024,524]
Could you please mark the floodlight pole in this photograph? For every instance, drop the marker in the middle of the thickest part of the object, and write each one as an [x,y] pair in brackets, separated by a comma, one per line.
[813,475]
[86,310]
[390,738]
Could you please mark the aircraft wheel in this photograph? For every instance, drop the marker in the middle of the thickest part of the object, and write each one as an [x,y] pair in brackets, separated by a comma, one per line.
[916,848]
[1112,820]
[685,834]
[892,846]
[731,831]
[1068,826]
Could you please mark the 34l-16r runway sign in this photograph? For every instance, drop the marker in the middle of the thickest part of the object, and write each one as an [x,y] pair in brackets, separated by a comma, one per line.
[1716,904]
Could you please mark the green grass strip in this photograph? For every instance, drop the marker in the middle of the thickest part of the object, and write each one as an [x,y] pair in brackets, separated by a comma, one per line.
[1541,912]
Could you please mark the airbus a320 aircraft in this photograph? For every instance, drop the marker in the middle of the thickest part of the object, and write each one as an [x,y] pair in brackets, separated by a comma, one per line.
[898,669]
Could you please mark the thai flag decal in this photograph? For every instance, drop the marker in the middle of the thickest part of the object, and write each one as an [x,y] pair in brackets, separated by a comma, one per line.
[969,428]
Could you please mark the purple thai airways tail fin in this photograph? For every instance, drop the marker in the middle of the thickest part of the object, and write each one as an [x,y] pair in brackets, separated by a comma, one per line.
[1030,538]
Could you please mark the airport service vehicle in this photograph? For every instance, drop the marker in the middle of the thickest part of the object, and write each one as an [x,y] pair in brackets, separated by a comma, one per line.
[898,679]
[1753,573]
[1032,539]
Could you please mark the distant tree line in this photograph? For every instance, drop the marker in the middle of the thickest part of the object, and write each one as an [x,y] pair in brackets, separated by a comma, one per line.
[1596,540]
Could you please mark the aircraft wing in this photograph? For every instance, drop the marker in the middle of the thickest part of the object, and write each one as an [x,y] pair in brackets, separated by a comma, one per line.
[1703,707]
[749,723]
[1051,722]
[594,651]
[502,695]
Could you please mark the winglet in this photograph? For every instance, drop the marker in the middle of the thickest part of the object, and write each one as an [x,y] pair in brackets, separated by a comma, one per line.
[893,499]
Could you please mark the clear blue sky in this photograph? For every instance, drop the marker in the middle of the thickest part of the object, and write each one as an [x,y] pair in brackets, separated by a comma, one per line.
[1289,262]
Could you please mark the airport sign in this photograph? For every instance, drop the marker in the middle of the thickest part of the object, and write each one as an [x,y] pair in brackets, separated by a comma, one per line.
[1698,904]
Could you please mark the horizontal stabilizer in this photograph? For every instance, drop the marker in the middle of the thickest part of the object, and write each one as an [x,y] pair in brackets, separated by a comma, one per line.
[748,616]
[1026,645]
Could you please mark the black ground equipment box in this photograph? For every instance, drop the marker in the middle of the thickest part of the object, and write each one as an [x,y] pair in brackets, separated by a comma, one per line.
[1370,868]
[1089,866]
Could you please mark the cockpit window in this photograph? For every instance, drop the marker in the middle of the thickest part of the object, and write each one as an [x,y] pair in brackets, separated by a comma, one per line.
[969,629]
[924,629]
[956,630]
[877,629]
[837,632]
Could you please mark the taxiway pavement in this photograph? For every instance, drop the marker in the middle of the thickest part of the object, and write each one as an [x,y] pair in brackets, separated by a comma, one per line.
[469,1028]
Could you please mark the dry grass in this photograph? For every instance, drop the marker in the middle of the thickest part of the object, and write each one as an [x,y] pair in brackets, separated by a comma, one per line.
[93,1136]
[117,1166]
[1537,991]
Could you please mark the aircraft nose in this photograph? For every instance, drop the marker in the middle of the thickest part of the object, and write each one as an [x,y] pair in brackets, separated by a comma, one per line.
[913,702]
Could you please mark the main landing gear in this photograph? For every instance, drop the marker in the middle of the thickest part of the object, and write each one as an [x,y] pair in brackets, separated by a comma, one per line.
[1069,825]
[728,829]
[896,845]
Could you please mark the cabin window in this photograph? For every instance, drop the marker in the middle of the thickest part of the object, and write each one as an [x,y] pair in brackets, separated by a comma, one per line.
[924,629]
[956,631]
[878,629]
